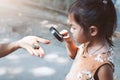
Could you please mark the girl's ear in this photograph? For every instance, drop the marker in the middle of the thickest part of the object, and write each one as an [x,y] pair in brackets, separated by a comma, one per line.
[93,30]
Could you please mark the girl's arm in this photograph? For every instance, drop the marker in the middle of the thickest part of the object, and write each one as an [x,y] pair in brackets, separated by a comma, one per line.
[71,49]
[105,72]
[70,45]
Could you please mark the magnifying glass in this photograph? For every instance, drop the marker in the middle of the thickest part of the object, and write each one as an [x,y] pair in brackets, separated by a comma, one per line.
[56,34]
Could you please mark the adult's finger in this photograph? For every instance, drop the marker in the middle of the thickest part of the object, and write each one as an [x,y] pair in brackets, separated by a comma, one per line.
[41,52]
[30,50]
[44,41]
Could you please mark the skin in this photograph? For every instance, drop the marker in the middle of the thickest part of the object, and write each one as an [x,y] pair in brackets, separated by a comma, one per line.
[105,72]
[25,43]
[70,45]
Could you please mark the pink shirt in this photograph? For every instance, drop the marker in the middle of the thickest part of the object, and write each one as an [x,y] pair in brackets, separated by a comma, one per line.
[85,67]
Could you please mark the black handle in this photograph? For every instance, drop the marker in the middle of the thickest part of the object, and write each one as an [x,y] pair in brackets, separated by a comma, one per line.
[56,34]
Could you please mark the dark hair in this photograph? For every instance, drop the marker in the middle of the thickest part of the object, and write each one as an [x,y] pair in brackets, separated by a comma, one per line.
[99,13]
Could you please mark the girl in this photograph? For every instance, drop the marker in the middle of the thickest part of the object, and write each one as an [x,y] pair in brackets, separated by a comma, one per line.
[92,25]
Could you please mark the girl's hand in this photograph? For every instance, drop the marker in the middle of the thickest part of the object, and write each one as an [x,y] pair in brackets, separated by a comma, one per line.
[66,35]
[31,44]
[70,45]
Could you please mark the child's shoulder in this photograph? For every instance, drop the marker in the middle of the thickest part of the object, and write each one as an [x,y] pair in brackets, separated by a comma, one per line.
[81,46]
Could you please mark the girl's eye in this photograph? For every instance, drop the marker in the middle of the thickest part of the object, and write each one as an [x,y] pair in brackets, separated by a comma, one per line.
[74,28]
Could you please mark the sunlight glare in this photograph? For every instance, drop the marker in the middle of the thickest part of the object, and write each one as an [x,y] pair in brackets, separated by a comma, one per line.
[3,70]
[42,71]
[55,58]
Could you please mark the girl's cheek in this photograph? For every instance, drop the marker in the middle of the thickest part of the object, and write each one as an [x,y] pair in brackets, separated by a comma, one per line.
[75,36]
[71,30]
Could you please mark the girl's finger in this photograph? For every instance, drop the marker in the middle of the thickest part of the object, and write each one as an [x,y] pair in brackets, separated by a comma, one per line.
[64,32]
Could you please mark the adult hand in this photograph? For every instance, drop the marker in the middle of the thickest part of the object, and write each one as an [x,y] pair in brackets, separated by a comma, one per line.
[31,44]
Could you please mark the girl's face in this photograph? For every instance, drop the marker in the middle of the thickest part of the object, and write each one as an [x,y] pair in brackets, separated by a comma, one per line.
[77,30]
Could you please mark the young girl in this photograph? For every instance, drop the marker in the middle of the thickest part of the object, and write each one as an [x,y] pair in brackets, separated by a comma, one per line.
[92,25]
